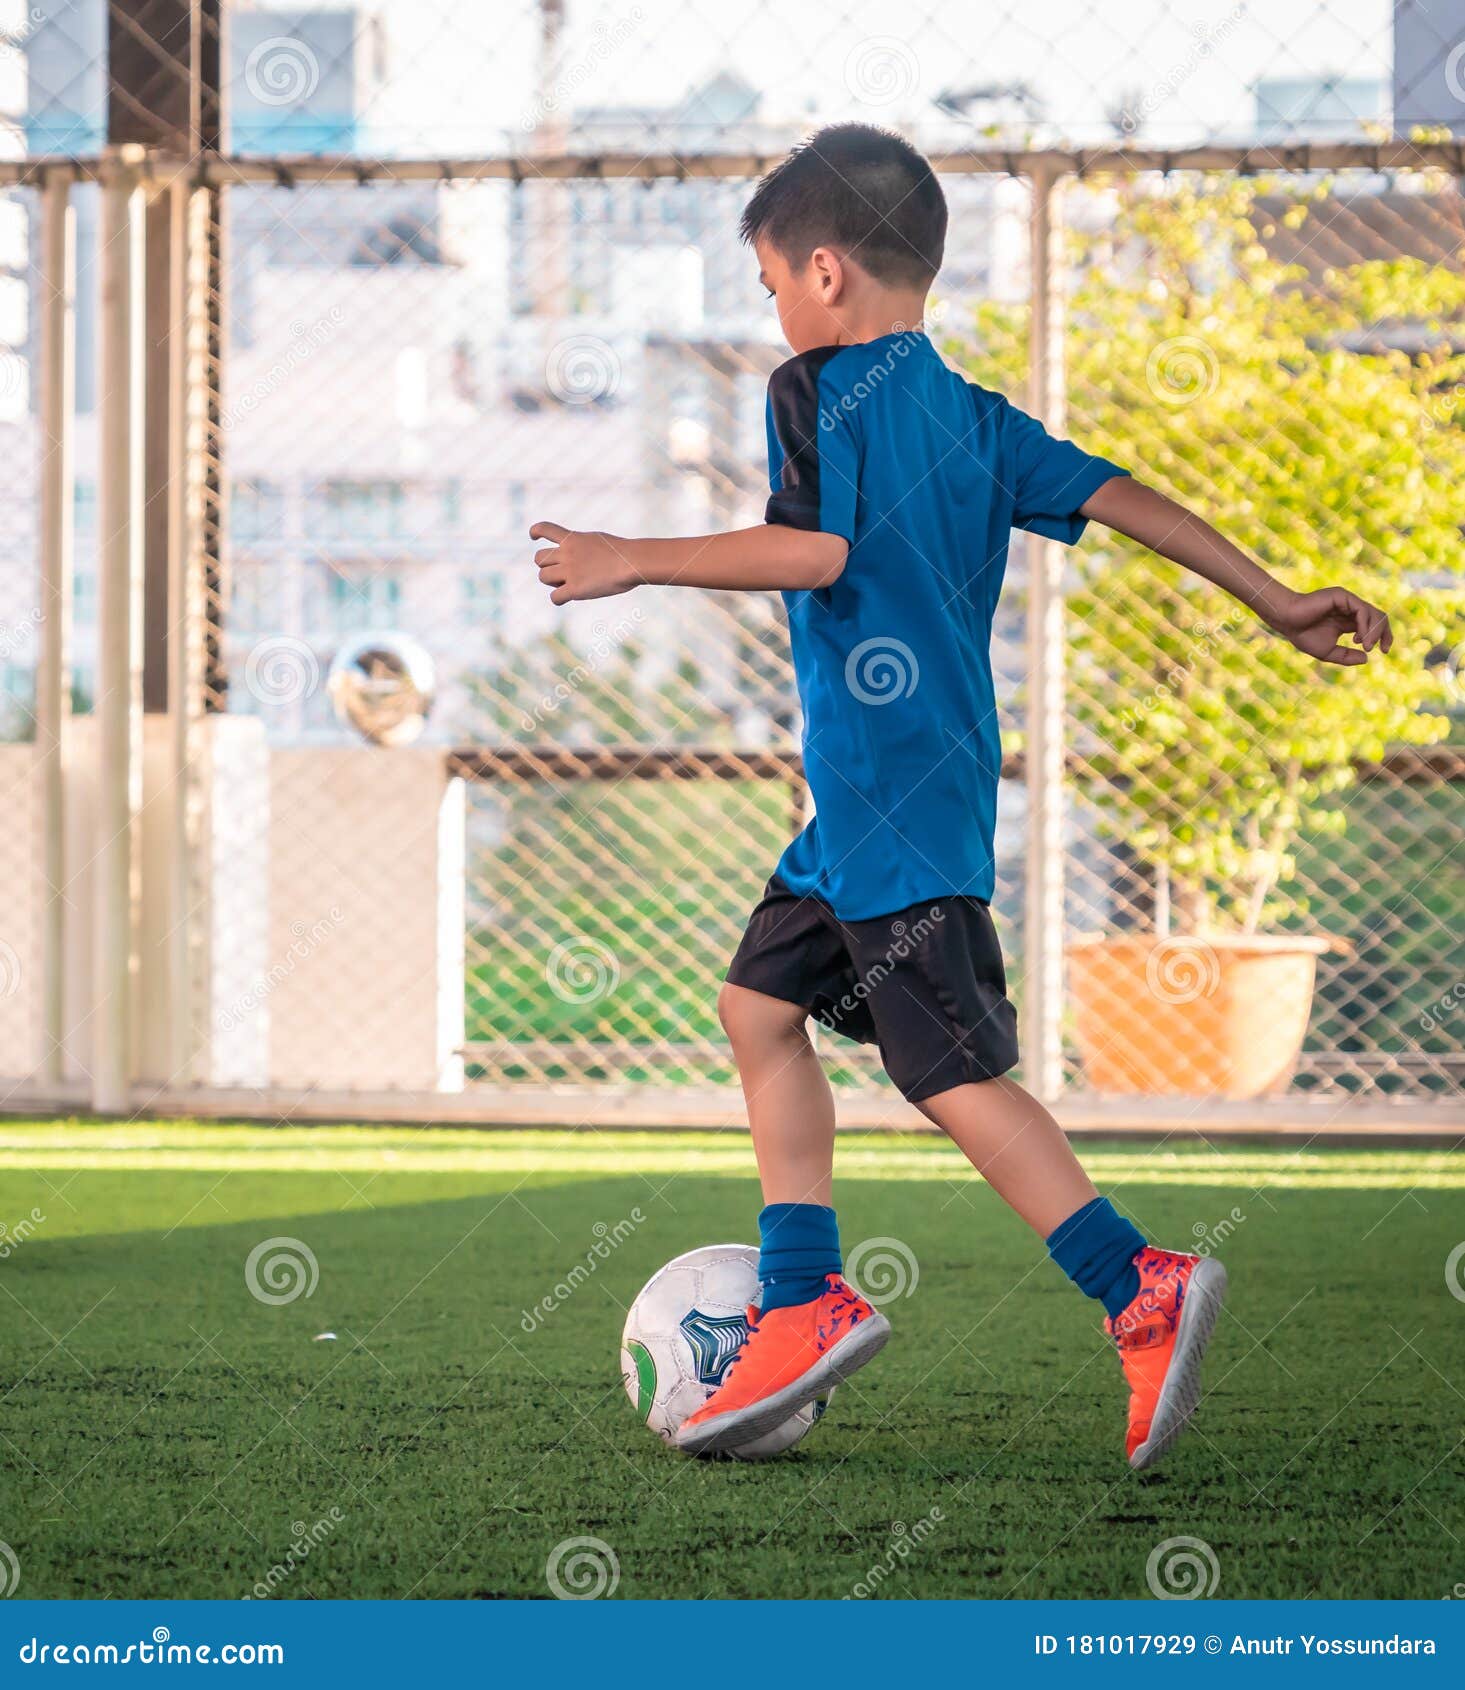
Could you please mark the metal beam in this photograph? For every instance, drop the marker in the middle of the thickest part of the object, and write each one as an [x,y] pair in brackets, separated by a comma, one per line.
[1043,928]
[350,170]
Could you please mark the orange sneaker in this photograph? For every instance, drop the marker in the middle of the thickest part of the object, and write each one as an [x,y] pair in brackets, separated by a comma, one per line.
[1161,1338]
[789,1357]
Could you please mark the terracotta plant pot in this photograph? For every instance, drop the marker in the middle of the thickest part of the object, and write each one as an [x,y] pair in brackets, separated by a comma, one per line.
[1192,1017]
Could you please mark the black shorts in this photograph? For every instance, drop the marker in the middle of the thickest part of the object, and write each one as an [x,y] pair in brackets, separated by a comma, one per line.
[925,984]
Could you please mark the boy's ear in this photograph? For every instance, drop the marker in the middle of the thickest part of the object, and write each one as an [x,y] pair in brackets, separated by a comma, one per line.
[826,267]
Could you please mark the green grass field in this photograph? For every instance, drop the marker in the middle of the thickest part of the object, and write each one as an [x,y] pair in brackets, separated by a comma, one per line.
[165,1433]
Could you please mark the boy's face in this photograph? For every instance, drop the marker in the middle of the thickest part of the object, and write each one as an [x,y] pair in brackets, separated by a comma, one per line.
[804,296]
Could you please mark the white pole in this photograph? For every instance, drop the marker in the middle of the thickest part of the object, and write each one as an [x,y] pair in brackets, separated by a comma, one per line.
[119,637]
[57,285]
[1042,1031]
[184,485]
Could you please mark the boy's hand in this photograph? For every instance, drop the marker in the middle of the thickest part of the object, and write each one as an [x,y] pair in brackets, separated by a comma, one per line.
[581,565]
[1316,623]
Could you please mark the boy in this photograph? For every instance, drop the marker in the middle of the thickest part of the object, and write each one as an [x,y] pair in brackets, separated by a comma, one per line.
[895,485]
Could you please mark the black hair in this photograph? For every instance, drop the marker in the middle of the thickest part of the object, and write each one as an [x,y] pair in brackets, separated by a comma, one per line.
[864,190]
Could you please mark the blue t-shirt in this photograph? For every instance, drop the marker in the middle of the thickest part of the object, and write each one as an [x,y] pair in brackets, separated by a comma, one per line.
[925,475]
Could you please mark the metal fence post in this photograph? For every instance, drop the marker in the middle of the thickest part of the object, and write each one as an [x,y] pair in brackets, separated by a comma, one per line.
[57,288]
[1042,1009]
[119,635]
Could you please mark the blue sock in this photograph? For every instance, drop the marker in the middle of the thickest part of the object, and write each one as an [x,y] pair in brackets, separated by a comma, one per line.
[800,1246]
[1096,1248]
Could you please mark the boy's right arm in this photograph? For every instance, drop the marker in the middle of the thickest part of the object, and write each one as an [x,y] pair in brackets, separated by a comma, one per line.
[582,564]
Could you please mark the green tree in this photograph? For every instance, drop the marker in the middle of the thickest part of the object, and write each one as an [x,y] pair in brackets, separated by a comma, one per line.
[1281,405]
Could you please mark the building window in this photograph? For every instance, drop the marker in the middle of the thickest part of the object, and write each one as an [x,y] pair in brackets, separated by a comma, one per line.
[359,600]
[256,510]
[356,510]
[84,593]
[254,597]
[483,600]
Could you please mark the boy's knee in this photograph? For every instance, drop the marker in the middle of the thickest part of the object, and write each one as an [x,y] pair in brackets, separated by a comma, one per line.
[750,1017]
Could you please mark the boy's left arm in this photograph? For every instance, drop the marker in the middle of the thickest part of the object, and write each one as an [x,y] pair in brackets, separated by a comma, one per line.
[1314,622]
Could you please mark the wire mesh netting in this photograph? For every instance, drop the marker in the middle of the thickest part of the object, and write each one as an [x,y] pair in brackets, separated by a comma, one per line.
[411,372]
[608,878]
[413,80]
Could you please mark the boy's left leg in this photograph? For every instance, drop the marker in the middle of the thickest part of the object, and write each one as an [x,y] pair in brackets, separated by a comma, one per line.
[948,1036]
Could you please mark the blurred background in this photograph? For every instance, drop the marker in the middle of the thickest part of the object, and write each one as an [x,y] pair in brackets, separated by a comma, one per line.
[307,313]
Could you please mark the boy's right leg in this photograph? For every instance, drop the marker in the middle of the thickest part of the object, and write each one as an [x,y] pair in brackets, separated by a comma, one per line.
[790,1105]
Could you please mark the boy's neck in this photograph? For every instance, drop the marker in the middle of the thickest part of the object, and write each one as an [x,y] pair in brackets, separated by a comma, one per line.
[888,312]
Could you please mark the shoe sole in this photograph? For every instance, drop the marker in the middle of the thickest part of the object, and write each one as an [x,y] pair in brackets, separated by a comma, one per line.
[741,1426]
[1181,1393]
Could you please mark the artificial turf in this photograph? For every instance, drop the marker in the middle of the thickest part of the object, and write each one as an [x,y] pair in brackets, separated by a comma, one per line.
[164,1433]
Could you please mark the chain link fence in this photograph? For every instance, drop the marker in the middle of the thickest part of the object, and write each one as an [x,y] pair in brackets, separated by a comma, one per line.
[540,310]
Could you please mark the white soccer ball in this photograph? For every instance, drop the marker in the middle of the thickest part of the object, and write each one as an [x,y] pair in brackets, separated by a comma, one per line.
[683,1331]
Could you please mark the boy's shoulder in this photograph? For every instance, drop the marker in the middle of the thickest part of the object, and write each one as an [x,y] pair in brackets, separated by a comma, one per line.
[797,379]
[810,384]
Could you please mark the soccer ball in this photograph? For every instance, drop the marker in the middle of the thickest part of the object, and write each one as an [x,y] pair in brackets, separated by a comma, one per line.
[683,1331]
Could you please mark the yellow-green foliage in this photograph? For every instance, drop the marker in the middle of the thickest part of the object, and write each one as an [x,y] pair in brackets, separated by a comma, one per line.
[1276,407]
